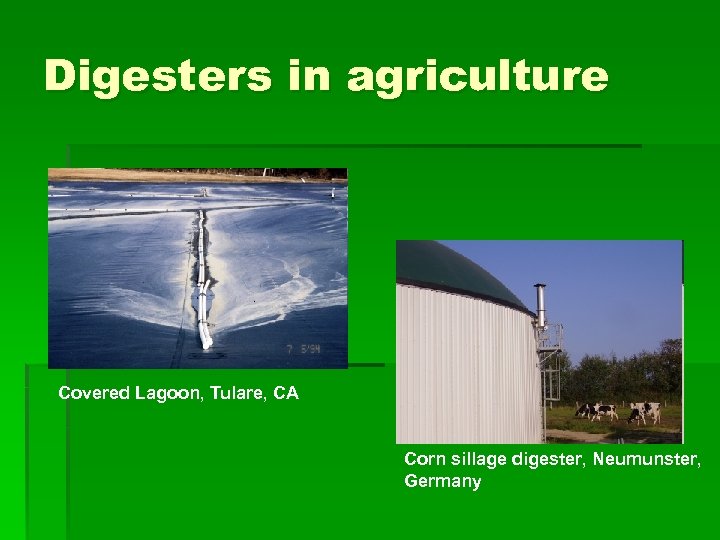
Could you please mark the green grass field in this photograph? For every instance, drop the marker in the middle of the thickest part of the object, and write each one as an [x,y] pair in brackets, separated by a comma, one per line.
[563,418]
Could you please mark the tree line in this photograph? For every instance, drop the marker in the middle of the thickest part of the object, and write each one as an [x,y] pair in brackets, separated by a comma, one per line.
[325,174]
[646,376]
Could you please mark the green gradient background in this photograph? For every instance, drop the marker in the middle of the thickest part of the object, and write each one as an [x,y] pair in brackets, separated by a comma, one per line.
[328,464]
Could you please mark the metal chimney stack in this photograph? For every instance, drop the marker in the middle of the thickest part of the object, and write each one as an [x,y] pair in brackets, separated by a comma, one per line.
[541,322]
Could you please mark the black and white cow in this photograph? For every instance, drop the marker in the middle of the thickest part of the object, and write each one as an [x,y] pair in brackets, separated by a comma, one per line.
[583,410]
[640,410]
[598,410]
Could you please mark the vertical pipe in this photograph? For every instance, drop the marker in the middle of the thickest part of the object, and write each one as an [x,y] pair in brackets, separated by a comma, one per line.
[201,250]
[203,287]
[541,304]
[204,332]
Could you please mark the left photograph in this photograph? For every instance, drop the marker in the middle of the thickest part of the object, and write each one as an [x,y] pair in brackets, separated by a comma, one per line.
[197,268]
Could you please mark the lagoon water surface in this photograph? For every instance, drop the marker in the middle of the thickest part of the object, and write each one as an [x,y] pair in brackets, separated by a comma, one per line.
[123,266]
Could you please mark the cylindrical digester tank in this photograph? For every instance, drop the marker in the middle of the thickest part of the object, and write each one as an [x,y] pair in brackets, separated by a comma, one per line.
[467,364]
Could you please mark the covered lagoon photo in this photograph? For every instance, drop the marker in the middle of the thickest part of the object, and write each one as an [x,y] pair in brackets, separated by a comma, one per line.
[197,270]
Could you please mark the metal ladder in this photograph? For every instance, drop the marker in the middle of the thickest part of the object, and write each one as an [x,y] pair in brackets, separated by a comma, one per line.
[549,344]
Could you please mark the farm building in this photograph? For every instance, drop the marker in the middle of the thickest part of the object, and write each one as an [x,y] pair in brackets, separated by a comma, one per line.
[467,353]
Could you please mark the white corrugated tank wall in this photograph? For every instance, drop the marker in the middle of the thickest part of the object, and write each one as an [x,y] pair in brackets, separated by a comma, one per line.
[466,371]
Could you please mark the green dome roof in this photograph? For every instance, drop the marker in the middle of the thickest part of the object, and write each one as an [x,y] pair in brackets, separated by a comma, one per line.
[431,265]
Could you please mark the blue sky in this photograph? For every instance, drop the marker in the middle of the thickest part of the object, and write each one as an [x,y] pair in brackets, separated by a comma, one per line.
[618,297]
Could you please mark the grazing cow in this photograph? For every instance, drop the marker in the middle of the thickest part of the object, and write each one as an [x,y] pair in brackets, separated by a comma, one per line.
[583,411]
[598,410]
[639,410]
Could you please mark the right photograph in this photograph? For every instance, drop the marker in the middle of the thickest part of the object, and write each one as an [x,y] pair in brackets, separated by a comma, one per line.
[534,341]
